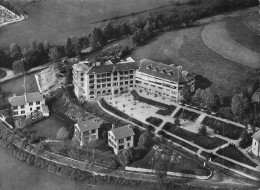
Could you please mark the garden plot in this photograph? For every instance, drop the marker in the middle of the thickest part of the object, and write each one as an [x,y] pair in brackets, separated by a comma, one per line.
[187,114]
[217,39]
[174,161]
[200,140]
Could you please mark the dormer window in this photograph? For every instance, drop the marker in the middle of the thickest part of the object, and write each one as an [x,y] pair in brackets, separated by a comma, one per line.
[164,71]
[156,69]
[170,73]
[149,67]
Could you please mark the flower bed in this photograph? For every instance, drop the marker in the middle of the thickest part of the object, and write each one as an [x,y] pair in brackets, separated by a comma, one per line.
[222,128]
[115,111]
[178,141]
[203,141]
[187,114]
[167,111]
[154,121]
[233,153]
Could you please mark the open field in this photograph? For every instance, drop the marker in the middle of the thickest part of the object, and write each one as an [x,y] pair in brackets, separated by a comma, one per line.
[55,20]
[185,47]
[216,37]
[16,86]
[49,127]
[239,32]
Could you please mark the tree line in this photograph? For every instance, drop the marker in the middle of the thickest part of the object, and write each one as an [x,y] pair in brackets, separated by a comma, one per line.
[139,28]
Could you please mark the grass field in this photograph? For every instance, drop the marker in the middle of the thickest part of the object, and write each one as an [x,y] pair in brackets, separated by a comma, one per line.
[55,20]
[48,127]
[238,31]
[216,37]
[185,47]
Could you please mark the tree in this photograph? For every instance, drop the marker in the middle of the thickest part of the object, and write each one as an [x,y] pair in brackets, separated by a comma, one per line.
[246,139]
[211,100]
[144,140]
[55,54]
[177,121]
[203,131]
[126,156]
[97,38]
[40,149]
[4,59]
[139,37]
[109,31]
[17,66]
[256,99]
[185,93]
[62,134]
[68,47]
[15,51]
[239,104]
[160,170]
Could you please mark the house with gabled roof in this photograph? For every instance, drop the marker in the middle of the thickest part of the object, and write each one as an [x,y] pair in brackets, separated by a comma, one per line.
[256,144]
[26,104]
[121,138]
[87,130]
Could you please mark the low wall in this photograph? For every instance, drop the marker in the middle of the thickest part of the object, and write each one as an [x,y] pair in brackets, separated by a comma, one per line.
[175,174]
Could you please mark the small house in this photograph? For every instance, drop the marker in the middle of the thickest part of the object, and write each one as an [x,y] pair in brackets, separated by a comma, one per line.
[86,131]
[255,144]
[121,138]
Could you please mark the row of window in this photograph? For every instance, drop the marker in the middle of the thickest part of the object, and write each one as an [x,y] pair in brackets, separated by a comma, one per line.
[23,112]
[116,73]
[22,106]
[122,140]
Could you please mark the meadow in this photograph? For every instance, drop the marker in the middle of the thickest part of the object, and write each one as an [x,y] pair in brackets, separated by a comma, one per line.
[55,20]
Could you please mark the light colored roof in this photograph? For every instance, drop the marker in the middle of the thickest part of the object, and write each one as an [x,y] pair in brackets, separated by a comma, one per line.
[45,109]
[81,66]
[114,67]
[17,100]
[123,132]
[89,125]
[177,74]
[256,136]
[34,97]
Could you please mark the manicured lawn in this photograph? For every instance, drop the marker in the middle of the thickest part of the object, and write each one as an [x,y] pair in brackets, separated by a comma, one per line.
[222,128]
[167,111]
[186,48]
[203,141]
[239,32]
[180,142]
[235,154]
[154,121]
[49,126]
[186,114]
[174,161]
[2,73]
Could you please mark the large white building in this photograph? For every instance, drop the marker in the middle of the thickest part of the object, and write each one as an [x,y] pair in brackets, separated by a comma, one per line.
[93,81]
[26,104]
[121,138]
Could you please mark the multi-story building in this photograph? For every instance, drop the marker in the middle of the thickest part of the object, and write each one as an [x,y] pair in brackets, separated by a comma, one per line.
[121,138]
[91,82]
[86,131]
[162,79]
[26,104]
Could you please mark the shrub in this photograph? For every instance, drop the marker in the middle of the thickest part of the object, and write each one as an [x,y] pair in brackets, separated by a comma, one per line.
[154,121]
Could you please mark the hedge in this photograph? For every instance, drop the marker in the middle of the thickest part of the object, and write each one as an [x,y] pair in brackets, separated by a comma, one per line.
[154,121]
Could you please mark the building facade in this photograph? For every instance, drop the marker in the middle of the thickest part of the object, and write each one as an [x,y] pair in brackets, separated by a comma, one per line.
[255,144]
[121,138]
[26,104]
[91,82]
[86,131]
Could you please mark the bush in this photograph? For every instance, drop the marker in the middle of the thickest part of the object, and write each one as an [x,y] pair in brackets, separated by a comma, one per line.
[203,131]
[167,111]
[154,121]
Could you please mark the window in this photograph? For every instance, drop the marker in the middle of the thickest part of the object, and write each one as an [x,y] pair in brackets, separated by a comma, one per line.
[98,86]
[38,108]
[103,85]
[131,71]
[126,72]
[37,103]
[103,75]
[91,76]
[121,83]
[31,103]
[131,82]
[108,74]
[121,78]
[108,79]
[99,75]
[15,113]
[16,107]
[128,144]
[115,78]
[108,84]
[115,84]
[82,79]
[115,73]
[131,77]
[30,109]
[121,147]
[126,82]
[93,131]
[22,112]
[81,74]
[91,93]
[121,140]
[98,80]
[128,138]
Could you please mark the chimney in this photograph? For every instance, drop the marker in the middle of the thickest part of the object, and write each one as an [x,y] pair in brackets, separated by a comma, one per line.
[113,126]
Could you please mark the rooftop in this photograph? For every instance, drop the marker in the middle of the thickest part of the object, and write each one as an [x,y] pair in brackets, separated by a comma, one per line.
[89,125]
[256,136]
[160,70]
[45,109]
[24,99]
[81,66]
[123,132]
